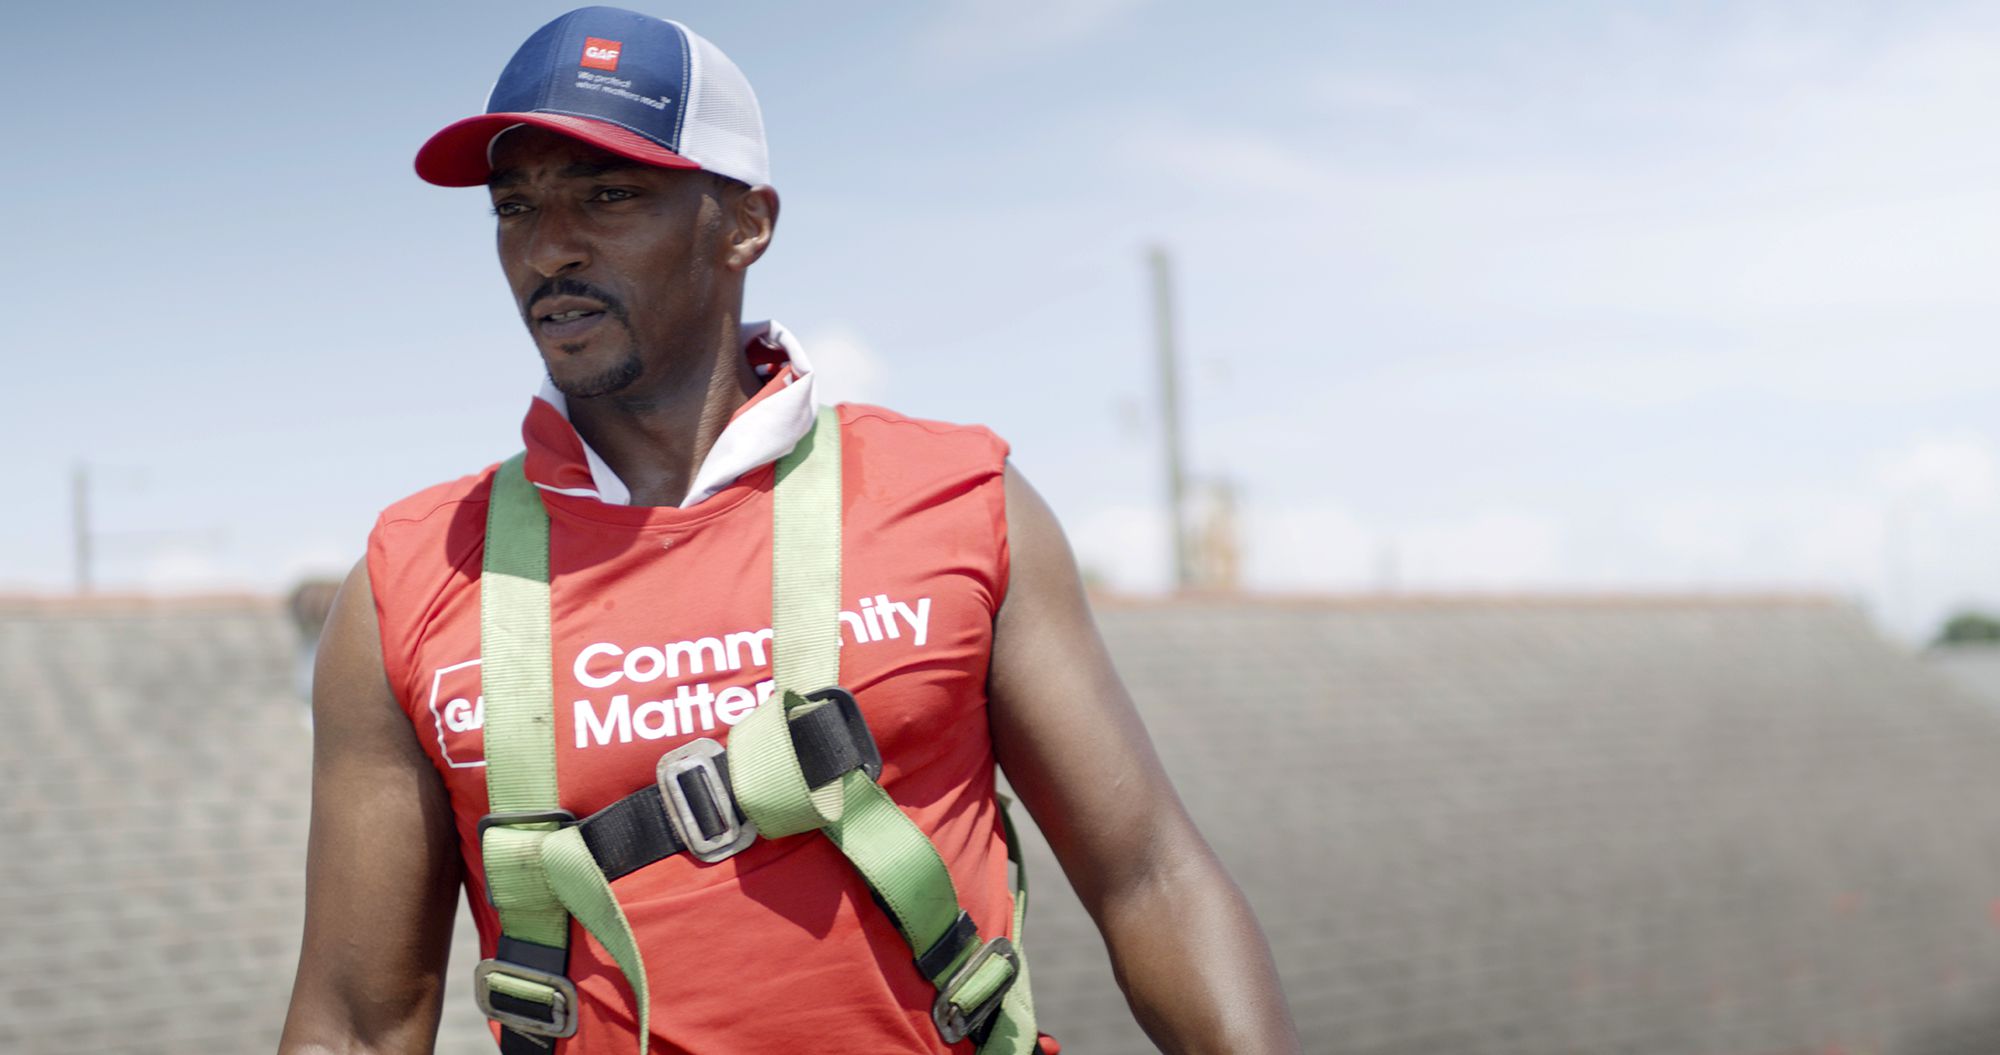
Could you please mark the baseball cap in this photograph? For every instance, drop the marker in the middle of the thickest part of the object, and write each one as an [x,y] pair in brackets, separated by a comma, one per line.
[640,87]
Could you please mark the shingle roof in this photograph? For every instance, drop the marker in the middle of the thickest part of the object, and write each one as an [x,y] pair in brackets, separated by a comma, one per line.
[1588,826]
[1972,667]
[152,880]
[1531,826]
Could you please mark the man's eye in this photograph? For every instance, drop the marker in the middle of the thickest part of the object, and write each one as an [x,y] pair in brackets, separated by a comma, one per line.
[612,194]
[508,208]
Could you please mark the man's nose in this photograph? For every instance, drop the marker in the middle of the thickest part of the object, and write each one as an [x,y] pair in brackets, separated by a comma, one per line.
[557,245]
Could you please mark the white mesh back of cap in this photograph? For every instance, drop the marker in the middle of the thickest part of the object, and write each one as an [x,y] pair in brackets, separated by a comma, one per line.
[723,130]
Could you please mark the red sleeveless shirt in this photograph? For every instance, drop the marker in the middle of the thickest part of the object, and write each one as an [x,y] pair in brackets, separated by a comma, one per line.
[661,632]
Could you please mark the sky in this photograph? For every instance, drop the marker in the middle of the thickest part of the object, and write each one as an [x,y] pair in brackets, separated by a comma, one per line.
[1481,298]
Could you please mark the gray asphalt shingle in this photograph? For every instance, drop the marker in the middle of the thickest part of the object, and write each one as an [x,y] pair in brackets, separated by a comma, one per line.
[158,780]
[1555,826]
[1973,667]
[1536,827]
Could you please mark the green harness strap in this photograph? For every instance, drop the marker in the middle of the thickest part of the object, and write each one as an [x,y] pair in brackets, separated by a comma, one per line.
[893,855]
[540,873]
[1014,1032]
[805,640]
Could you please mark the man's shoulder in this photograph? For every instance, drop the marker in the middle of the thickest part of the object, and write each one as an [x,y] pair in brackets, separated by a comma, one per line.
[443,498]
[437,529]
[423,542]
[924,436]
[909,463]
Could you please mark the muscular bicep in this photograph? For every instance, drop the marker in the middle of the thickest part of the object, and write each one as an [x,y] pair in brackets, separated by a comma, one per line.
[382,862]
[1064,727]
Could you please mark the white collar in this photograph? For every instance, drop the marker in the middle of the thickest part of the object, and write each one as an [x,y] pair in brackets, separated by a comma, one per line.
[761,434]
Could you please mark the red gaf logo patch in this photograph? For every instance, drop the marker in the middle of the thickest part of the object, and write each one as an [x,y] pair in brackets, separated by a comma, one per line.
[601,54]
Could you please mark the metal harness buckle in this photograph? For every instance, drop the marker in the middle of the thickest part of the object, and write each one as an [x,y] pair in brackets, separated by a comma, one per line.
[562,1009]
[955,1024]
[699,757]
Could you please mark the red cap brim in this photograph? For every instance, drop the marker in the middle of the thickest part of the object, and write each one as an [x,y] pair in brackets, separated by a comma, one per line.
[456,156]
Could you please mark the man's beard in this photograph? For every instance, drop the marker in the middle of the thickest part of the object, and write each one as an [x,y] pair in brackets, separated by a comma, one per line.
[604,382]
[613,378]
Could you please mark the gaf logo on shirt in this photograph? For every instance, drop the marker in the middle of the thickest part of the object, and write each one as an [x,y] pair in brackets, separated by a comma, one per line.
[601,54]
[459,713]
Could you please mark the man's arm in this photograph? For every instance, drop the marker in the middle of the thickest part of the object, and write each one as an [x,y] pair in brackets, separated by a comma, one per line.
[1184,945]
[382,863]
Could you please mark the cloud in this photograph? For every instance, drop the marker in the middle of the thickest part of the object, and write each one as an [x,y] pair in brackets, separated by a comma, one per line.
[1714,290]
[1782,204]
[1327,548]
[1222,159]
[982,32]
[1284,549]
[1908,531]
[849,370]
[1350,92]
[1824,539]
[1313,547]
[210,562]
[1124,547]
[1488,549]
[1957,472]
[186,569]
[323,559]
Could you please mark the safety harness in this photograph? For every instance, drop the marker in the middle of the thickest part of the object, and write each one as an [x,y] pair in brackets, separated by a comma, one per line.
[804,760]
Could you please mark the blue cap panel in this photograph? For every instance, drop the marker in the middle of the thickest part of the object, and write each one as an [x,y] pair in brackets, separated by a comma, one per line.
[636,77]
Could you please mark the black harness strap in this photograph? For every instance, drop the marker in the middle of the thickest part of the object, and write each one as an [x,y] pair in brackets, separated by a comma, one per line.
[634,832]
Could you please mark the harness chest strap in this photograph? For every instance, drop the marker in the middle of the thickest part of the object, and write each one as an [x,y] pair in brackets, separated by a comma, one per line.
[539,863]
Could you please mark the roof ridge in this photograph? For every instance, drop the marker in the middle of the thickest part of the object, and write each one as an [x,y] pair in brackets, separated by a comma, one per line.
[96,603]
[1477,599]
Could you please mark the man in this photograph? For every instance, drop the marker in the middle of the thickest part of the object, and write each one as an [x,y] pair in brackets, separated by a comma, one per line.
[626,163]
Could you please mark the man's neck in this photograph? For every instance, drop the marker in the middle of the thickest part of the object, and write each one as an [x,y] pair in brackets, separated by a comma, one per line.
[655,438]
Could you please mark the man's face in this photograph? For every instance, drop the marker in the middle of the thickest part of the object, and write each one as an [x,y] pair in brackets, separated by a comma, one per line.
[612,263]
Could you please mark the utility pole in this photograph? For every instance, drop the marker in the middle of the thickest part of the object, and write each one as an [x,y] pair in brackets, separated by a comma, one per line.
[1170,416]
[79,491]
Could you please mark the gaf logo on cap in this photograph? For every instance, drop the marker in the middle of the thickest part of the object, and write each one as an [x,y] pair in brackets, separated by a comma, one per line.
[601,54]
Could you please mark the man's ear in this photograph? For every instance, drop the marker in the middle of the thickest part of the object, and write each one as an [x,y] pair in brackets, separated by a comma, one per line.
[753,217]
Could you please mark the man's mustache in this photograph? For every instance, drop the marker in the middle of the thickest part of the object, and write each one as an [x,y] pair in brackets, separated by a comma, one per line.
[564,286]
